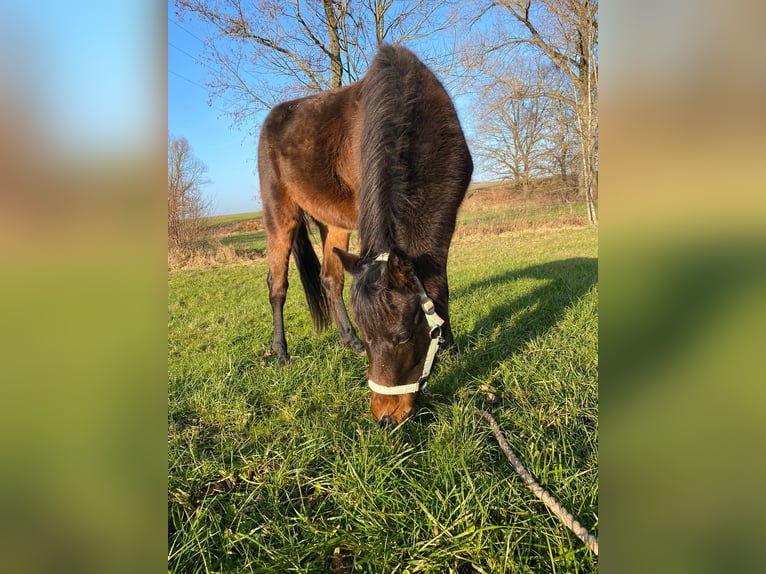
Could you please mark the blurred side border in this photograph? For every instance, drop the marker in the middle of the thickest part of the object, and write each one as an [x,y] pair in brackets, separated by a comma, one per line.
[681,272]
[83,292]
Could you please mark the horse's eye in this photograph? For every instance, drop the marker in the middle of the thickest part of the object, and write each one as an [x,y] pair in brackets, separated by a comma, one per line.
[401,339]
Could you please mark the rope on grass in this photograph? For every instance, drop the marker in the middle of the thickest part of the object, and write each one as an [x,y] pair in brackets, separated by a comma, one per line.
[563,514]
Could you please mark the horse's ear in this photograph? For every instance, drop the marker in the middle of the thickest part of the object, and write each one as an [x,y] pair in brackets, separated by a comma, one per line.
[349,260]
[400,268]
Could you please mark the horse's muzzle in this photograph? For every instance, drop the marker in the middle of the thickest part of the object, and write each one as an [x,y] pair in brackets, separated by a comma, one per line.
[387,423]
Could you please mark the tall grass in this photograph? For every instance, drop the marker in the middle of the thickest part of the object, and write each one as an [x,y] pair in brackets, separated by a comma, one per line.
[283,469]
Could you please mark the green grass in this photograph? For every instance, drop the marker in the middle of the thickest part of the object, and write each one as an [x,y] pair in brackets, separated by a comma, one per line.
[284,470]
[252,240]
[518,214]
[469,222]
[227,229]
[542,213]
[220,220]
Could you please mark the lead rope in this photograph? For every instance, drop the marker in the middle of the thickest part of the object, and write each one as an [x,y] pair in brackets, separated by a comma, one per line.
[564,515]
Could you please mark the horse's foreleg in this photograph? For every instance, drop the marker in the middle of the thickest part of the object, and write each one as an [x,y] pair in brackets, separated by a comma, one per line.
[277,299]
[332,282]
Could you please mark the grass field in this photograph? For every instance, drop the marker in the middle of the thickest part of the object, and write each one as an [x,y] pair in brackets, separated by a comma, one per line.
[284,470]
[488,208]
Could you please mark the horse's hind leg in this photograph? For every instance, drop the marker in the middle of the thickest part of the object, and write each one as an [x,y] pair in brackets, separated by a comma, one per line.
[332,282]
[281,220]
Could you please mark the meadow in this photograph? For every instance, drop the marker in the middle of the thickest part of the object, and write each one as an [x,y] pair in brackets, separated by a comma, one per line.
[284,470]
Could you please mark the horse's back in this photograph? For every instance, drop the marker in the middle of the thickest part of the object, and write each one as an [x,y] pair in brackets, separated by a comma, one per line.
[308,149]
[394,135]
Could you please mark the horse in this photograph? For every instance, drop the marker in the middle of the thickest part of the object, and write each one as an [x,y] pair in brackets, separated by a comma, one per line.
[385,155]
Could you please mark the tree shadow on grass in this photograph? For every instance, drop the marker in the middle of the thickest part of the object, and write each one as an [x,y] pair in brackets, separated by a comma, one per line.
[517,317]
[515,321]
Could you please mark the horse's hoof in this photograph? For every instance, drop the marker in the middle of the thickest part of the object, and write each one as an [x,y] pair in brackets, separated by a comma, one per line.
[283,358]
[355,345]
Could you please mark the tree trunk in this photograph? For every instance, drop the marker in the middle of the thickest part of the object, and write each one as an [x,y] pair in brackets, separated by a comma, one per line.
[587,157]
[333,30]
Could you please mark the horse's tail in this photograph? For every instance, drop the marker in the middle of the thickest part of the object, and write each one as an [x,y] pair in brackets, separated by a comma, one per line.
[309,268]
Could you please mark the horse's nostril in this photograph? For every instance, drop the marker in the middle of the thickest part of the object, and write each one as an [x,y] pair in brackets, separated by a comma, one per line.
[387,422]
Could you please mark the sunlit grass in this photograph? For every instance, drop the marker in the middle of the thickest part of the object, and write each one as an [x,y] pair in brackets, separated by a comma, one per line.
[284,470]
[219,220]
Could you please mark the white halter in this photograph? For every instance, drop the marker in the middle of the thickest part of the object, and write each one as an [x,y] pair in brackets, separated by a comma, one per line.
[434,329]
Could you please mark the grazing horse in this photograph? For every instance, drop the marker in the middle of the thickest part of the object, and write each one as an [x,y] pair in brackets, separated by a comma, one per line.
[385,155]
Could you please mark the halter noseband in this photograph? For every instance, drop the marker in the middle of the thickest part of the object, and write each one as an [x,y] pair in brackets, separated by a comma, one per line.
[435,331]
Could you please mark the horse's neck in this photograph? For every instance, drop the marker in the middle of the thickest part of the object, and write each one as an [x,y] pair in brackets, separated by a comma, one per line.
[376,238]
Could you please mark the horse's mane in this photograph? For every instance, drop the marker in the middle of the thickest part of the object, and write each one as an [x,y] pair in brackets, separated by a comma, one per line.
[399,94]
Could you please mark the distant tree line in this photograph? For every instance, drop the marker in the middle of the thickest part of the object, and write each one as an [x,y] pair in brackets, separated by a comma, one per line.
[539,104]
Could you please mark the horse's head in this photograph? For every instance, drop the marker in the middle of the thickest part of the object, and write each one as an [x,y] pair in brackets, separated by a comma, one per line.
[399,327]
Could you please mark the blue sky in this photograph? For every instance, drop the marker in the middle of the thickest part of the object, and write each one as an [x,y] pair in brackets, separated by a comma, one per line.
[229,153]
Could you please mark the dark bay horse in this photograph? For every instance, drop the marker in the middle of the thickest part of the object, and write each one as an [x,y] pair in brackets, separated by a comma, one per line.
[385,155]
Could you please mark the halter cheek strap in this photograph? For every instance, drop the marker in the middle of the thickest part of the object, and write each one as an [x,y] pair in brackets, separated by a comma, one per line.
[435,331]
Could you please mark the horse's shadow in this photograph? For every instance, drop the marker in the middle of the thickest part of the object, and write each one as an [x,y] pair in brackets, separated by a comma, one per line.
[489,341]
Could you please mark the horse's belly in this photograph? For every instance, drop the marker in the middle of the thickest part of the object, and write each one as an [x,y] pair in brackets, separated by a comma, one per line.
[332,204]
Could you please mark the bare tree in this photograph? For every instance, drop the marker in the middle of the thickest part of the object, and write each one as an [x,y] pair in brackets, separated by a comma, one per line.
[511,132]
[565,32]
[186,205]
[562,154]
[515,124]
[265,51]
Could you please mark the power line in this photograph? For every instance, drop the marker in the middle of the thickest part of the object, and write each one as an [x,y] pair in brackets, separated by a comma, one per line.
[238,72]
[200,62]
[185,30]
[207,89]
[188,80]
